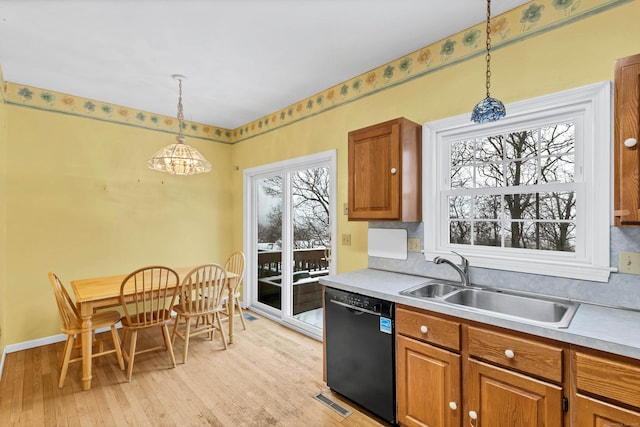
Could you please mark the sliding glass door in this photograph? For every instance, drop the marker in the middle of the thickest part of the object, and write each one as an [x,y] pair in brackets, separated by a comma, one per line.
[289,209]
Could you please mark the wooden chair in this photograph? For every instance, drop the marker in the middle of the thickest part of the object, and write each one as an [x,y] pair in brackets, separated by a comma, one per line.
[235,264]
[201,295]
[147,296]
[72,326]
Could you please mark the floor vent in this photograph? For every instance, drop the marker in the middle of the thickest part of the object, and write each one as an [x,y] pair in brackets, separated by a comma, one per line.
[250,317]
[327,401]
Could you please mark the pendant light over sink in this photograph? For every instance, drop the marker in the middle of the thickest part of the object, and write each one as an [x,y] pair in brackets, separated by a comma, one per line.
[179,158]
[489,109]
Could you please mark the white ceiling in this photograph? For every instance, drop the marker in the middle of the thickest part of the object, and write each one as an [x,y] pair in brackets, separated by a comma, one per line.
[243,59]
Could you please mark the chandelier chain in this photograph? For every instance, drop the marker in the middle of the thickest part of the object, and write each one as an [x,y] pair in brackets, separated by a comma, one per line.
[180,111]
[488,57]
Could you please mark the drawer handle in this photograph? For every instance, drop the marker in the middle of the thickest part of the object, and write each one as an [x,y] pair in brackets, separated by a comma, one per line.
[630,142]
[393,171]
[453,405]
[474,417]
[424,329]
[509,353]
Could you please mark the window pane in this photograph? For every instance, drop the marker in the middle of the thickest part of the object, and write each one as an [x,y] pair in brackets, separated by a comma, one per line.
[549,206]
[460,207]
[522,172]
[558,169]
[488,207]
[557,236]
[461,153]
[517,204]
[462,177]
[521,145]
[489,175]
[558,139]
[490,149]
[486,233]
[460,232]
[554,236]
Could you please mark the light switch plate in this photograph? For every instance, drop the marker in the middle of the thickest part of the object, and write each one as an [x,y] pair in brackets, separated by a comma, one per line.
[629,263]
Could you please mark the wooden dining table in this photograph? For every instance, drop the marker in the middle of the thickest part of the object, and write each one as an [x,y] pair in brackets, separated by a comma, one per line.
[101,292]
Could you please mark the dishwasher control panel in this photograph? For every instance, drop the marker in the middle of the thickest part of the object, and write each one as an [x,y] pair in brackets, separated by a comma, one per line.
[375,305]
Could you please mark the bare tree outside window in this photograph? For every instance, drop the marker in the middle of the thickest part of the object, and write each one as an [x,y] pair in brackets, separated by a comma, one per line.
[515,190]
[310,189]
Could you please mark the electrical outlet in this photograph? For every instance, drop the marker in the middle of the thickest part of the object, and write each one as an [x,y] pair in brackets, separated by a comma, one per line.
[346,209]
[629,263]
[346,239]
[413,244]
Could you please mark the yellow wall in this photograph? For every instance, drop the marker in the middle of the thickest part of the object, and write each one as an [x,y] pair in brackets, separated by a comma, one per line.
[573,55]
[81,202]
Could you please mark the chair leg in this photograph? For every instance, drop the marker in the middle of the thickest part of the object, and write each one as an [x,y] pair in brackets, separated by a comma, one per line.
[219,321]
[174,332]
[237,303]
[68,348]
[132,353]
[187,333]
[116,344]
[167,343]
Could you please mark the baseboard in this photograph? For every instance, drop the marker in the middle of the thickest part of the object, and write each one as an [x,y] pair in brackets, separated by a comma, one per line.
[2,364]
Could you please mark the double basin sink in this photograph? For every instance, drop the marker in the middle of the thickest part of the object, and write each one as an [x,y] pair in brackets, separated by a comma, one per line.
[528,308]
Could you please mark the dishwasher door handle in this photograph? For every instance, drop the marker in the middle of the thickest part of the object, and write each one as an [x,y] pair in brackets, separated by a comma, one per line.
[352,308]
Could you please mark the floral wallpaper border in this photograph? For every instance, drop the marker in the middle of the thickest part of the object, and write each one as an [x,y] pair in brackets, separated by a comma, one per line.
[522,22]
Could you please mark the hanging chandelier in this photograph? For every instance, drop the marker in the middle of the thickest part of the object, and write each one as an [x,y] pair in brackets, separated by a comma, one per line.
[179,158]
[489,109]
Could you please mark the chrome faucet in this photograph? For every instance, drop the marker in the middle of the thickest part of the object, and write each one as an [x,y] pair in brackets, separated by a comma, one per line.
[462,269]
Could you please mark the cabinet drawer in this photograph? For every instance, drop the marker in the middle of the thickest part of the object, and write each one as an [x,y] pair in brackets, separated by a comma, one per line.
[522,354]
[435,330]
[608,378]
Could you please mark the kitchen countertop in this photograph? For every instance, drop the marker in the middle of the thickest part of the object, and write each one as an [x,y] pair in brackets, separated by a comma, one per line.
[603,328]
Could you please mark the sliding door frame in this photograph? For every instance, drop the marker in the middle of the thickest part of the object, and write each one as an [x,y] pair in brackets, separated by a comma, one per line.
[250,200]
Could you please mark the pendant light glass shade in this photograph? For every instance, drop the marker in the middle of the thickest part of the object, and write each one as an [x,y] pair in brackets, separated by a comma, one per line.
[179,158]
[489,109]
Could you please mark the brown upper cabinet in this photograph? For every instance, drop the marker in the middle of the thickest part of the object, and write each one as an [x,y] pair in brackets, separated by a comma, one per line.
[627,136]
[385,172]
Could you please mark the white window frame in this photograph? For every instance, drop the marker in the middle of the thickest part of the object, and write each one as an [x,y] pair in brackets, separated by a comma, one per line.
[590,107]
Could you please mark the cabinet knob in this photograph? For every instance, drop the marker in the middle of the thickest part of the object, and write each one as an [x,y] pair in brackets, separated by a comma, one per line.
[630,142]
[424,329]
[509,353]
[393,171]
[453,405]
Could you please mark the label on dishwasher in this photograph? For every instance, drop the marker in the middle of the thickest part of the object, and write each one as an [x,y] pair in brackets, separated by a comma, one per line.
[385,325]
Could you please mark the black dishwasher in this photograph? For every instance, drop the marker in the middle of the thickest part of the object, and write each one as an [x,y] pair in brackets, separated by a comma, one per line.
[360,350]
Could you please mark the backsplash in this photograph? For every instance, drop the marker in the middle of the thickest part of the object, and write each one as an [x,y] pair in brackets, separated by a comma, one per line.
[622,290]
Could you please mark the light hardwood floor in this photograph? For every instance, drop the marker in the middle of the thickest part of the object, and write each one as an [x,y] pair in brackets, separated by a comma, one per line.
[268,377]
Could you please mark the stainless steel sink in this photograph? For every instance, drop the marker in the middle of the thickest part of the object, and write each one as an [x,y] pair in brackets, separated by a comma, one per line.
[533,308]
[432,289]
[528,308]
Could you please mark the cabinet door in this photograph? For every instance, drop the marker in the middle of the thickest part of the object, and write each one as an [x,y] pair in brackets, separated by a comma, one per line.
[594,413]
[428,385]
[374,172]
[503,398]
[627,125]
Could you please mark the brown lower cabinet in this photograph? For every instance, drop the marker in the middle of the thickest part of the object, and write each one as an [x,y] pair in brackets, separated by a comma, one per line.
[428,384]
[453,373]
[500,397]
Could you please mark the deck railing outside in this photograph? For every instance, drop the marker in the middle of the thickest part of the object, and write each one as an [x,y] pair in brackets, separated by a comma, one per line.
[309,264]
[313,261]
